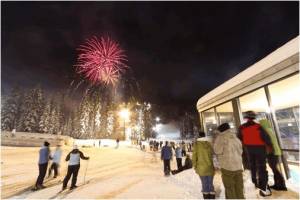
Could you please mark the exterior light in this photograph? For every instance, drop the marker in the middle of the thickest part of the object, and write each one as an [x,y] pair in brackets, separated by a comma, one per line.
[124,113]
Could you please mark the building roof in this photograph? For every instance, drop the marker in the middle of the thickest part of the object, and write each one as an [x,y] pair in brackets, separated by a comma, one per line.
[281,54]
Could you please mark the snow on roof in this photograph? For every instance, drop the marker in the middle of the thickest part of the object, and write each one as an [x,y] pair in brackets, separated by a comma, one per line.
[289,49]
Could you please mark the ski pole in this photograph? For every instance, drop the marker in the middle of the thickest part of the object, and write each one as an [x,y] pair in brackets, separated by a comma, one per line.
[87,164]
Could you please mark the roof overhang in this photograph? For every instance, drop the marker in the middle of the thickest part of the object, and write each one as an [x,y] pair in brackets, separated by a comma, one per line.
[280,63]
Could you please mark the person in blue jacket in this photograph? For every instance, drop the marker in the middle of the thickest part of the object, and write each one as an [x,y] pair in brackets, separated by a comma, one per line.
[44,157]
[166,156]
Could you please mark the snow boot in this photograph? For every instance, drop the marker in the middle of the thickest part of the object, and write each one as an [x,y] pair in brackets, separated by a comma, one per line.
[265,193]
[212,196]
[73,187]
[279,188]
[206,196]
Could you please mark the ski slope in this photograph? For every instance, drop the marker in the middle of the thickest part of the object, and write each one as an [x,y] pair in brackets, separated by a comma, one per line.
[124,173]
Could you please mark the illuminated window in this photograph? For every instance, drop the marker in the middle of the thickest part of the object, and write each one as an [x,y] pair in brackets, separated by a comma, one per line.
[257,102]
[210,122]
[285,102]
[225,114]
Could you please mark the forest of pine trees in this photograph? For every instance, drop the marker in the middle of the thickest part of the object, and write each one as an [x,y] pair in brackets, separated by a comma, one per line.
[95,115]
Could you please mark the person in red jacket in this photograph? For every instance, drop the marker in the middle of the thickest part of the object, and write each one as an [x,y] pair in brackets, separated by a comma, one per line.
[255,140]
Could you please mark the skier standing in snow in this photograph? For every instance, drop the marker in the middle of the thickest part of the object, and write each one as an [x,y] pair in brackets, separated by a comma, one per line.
[228,149]
[178,154]
[255,139]
[166,156]
[44,157]
[273,156]
[73,167]
[55,161]
[203,165]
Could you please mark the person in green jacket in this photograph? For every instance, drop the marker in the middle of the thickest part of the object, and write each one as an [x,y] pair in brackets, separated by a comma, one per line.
[203,165]
[274,153]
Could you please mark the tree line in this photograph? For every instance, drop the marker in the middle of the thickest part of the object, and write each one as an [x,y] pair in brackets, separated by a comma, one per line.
[95,115]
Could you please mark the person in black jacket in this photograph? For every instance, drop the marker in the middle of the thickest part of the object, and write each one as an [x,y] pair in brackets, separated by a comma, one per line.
[74,164]
[255,140]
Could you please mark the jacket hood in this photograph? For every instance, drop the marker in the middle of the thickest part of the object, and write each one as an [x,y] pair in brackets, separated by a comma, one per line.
[228,133]
[265,123]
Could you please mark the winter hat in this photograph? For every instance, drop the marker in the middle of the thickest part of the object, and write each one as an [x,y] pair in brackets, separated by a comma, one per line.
[223,127]
[250,114]
[201,134]
[46,144]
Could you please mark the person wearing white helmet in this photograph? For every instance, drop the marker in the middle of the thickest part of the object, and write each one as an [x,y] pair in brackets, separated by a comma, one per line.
[74,164]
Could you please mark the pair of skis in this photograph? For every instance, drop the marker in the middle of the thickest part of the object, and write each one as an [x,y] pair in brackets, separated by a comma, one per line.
[46,184]
[63,193]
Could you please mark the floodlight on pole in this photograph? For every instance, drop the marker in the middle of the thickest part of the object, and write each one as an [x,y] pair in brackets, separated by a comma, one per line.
[157,119]
[124,113]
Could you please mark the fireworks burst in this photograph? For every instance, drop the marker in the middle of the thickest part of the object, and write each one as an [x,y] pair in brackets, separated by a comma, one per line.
[101,60]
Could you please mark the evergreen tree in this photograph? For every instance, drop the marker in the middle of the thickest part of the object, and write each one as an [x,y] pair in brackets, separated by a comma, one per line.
[11,110]
[38,105]
[45,119]
[54,119]
[27,121]
[32,110]
[84,112]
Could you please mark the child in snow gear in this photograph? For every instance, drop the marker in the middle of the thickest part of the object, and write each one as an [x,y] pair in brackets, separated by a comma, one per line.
[228,149]
[178,154]
[255,140]
[74,164]
[187,165]
[55,161]
[273,156]
[203,165]
[166,156]
[44,157]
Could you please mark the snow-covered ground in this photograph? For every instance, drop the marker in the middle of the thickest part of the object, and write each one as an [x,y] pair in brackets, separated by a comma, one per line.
[124,173]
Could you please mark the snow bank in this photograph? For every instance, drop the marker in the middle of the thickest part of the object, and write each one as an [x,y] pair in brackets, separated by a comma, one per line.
[103,143]
[27,139]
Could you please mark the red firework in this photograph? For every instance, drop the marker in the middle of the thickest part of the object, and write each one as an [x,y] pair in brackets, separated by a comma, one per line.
[101,60]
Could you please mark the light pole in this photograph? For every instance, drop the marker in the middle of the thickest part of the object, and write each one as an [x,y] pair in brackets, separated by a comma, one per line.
[124,113]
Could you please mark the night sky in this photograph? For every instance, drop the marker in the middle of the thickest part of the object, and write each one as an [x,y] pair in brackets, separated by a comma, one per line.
[178,51]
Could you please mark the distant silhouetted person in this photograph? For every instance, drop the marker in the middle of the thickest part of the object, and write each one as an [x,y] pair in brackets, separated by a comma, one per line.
[188,164]
[166,156]
[178,155]
[117,143]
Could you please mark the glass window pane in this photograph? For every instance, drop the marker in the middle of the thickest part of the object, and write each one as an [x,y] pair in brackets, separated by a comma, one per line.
[285,102]
[257,102]
[210,122]
[225,114]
